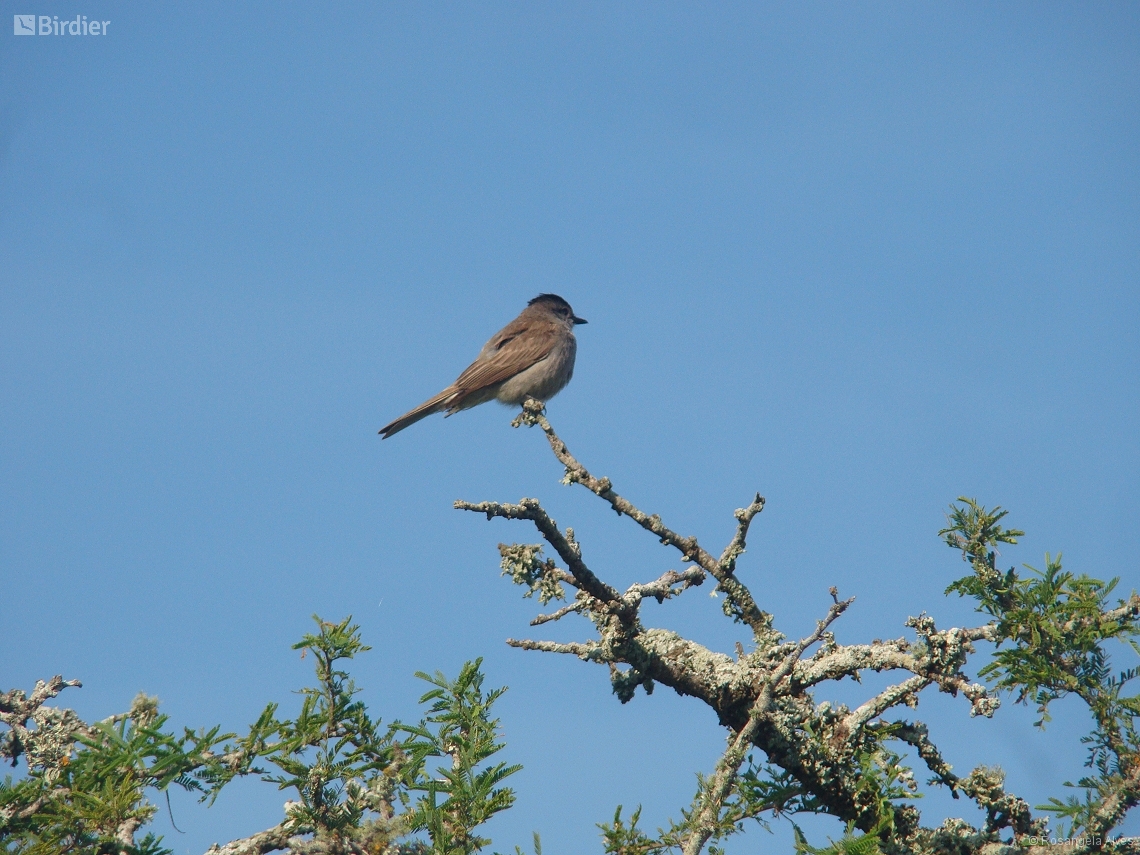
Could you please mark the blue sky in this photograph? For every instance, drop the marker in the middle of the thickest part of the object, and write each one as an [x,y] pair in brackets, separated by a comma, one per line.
[861,258]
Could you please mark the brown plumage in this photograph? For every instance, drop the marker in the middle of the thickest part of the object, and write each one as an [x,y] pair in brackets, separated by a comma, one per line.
[531,357]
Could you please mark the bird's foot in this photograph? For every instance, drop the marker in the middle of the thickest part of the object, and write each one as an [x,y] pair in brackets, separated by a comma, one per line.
[531,411]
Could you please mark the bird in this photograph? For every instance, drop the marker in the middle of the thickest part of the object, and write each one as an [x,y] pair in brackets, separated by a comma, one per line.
[531,357]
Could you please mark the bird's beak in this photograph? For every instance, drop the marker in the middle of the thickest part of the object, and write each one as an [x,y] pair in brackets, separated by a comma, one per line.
[578,320]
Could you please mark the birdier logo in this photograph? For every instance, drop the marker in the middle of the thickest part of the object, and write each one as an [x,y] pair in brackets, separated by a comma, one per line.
[51,25]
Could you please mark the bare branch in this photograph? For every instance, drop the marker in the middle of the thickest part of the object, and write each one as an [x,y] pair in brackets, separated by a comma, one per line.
[662,588]
[764,697]
[837,662]
[561,613]
[272,840]
[1126,610]
[125,833]
[530,509]
[1003,810]
[939,664]
[49,741]
[720,787]
[748,612]
[918,736]
[576,473]
[903,692]
[736,546]
[14,703]
[588,652]
[787,666]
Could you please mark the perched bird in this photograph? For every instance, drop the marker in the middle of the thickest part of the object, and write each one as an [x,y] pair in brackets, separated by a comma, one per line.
[531,357]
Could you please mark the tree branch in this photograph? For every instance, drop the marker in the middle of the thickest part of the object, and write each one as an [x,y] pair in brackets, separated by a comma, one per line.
[561,613]
[530,509]
[576,473]
[718,790]
[735,548]
[1124,797]
[889,697]
[917,735]
[272,840]
[662,588]
[588,652]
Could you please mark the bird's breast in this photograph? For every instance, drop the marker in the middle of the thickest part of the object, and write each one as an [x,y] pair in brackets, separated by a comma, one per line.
[545,378]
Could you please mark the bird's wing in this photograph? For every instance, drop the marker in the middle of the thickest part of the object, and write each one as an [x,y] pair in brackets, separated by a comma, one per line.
[516,347]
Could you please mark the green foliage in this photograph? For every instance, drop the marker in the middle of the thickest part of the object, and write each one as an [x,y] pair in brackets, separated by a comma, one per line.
[883,780]
[767,790]
[622,838]
[849,844]
[458,729]
[342,766]
[1052,628]
[354,781]
[537,841]
[975,531]
[81,799]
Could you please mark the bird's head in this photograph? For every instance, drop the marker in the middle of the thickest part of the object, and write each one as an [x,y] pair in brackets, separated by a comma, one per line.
[556,306]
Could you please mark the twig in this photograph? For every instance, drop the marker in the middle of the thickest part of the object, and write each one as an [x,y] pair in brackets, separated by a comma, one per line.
[530,509]
[749,612]
[735,548]
[15,703]
[938,665]
[787,666]
[662,588]
[1124,796]
[561,613]
[917,736]
[272,840]
[883,701]
[588,652]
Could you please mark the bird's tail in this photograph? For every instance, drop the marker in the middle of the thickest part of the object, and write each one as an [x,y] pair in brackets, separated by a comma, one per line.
[431,405]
